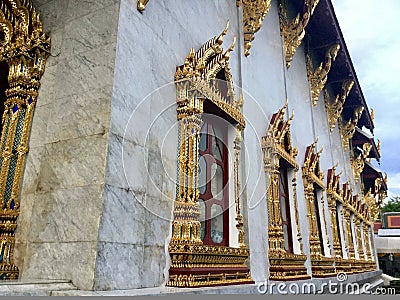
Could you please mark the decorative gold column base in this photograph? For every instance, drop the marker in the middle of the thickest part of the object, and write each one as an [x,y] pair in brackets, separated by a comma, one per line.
[346,266]
[367,266]
[360,266]
[9,272]
[323,267]
[288,267]
[8,224]
[202,265]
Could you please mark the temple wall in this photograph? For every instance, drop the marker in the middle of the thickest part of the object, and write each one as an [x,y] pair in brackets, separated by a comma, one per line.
[138,202]
[100,178]
[62,192]
[263,87]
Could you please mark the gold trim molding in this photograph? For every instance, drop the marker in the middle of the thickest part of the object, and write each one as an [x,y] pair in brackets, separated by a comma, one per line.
[254,13]
[193,263]
[319,76]
[25,48]
[334,108]
[293,31]
[276,145]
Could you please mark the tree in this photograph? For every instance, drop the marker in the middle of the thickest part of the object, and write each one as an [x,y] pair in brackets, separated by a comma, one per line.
[393,205]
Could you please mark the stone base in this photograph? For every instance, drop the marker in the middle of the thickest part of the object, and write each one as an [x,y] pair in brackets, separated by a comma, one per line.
[34,287]
[259,288]
[289,267]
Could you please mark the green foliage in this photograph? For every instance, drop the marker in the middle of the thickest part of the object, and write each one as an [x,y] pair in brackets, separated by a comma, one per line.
[393,205]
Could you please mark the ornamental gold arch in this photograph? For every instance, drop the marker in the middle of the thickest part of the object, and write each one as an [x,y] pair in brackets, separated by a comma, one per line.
[25,48]
[195,83]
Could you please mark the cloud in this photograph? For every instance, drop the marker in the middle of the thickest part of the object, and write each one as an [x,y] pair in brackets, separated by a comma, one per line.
[371,31]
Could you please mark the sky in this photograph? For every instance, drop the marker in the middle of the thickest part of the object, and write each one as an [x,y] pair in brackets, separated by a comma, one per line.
[371,31]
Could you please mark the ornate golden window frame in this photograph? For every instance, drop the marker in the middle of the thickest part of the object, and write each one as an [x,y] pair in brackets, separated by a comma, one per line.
[283,265]
[25,48]
[194,264]
[322,266]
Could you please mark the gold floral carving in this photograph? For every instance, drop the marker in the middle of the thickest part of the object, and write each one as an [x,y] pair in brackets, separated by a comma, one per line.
[141,5]
[348,129]
[25,48]
[358,162]
[293,31]
[318,77]
[276,145]
[191,260]
[334,108]
[321,265]
[254,12]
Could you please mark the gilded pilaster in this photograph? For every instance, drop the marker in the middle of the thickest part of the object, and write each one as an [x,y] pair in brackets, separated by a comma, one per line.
[25,48]
[367,242]
[350,243]
[239,217]
[334,194]
[360,249]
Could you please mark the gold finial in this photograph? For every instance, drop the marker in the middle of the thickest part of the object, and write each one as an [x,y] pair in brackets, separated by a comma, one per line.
[220,39]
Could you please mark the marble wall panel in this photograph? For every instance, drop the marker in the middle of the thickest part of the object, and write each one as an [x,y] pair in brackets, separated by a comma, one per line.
[66,215]
[118,266]
[158,220]
[79,115]
[74,162]
[126,166]
[123,217]
[72,261]
[153,266]
[63,186]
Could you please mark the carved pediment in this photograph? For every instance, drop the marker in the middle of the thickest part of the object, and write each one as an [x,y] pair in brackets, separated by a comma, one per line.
[279,134]
[206,74]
